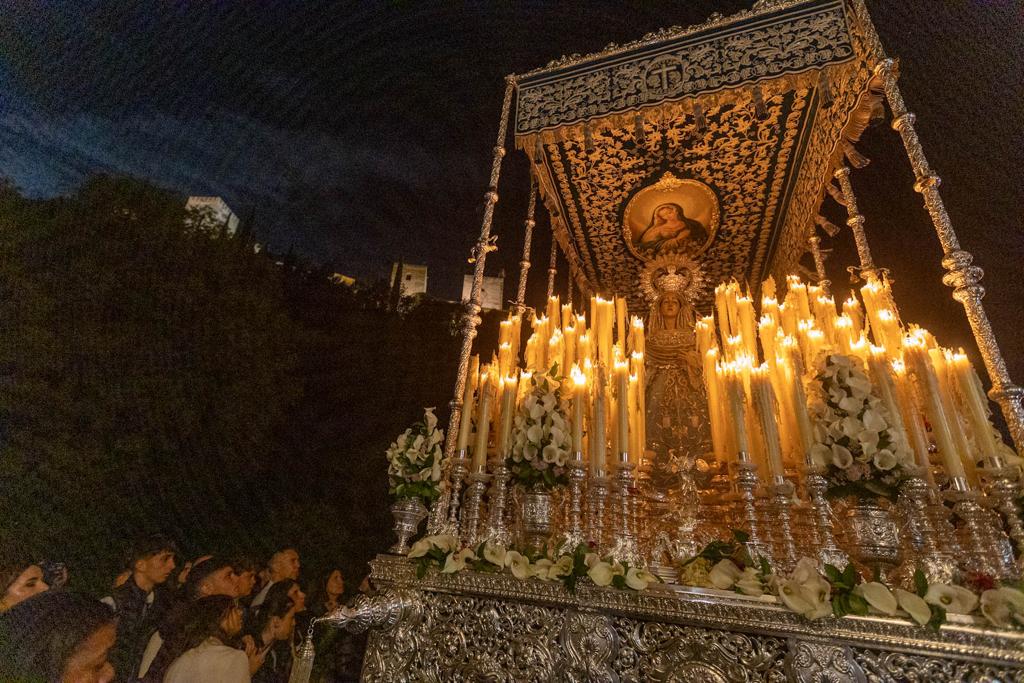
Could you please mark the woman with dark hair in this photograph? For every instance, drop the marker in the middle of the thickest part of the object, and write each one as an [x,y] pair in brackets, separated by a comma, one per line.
[671,230]
[203,640]
[20,579]
[270,630]
[327,594]
[58,637]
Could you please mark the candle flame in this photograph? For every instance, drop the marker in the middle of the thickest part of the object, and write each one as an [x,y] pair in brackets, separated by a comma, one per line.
[844,321]
[578,378]
[898,366]
[885,314]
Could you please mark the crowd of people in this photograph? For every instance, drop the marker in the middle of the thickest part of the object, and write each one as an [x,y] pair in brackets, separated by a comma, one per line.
[214,618]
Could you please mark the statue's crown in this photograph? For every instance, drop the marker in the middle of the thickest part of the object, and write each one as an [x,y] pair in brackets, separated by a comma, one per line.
[677,273]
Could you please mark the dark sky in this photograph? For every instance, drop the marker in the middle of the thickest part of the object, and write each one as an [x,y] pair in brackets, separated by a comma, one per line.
[361,132]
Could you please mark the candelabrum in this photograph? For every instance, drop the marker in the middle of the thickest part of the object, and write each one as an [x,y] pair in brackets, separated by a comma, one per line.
[459,471]
[574,534]
[627,546]
[470,531]
[1003,490]
[981,553]
[497,526]
[821,521]
[746,485]
[782,501]
[597,498]
[921,545]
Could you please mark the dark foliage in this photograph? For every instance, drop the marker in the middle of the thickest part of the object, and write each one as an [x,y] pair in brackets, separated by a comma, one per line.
[157,377]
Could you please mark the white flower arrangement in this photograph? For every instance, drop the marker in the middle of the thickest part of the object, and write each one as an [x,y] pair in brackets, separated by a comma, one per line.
[853,436]
[541,436]
[415,460]
[445,553]
[814,594]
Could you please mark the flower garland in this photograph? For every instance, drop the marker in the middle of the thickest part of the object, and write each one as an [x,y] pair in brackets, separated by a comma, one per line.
[814,594]
[853,435]
[445,553]
[415,460]
[541,438]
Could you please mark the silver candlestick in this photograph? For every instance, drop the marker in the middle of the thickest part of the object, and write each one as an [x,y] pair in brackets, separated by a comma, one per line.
[1004,491]
[497,527]
[821,521]
[746,484]
[459,471]
[597,494]
[470,528]
[980,553]
[782,499]
[923,549]
[627,547]
[574,534]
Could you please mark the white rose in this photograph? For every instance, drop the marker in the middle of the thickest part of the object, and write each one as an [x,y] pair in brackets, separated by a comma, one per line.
[750,583]
[519,564]
[878,596]
[841,457]
[914,605]
[541,569]
[601,573]
[724,575]
[955,599]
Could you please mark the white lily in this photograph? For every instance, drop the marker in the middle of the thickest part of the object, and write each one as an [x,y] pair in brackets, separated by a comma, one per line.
[885,460]
[724,575]
[1003,607]
[444,542]
[841,456]
[601,573]
[590,559]
[914,605]
[750,583]
[955,599]
[563,567]
[456,562]
[878,596]
[638,579]
[495,554]
[420,548]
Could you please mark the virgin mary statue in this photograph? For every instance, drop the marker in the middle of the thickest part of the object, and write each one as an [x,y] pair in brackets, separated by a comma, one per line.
[677,415]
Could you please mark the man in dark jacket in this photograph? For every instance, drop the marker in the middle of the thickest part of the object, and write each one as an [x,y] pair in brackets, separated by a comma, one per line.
[138,603]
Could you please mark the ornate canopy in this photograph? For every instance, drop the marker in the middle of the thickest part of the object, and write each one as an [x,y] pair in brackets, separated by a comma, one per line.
[752,112]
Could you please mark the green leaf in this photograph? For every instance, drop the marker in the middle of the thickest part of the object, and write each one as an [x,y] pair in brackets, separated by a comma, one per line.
[920,583]
[421,569]
[938,617]
[858,605]
[740,535]
[850,576]
[833,574]
[619,581]
[766,568]
[839,605]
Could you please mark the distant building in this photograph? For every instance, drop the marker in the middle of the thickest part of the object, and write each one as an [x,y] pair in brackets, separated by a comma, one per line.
[339,279]
[213,214]
[491,291]
[414,278]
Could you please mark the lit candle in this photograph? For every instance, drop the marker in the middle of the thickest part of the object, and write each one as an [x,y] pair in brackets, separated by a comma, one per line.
[825,314]
[622,404]
[638,343]
[556,353]
[505,332]
[722,307]
[579,381]
[766,330]
[799,292]
[891,334]
[737,411]
[713,389]
[705,333]
[795,385]
[770,308]
[764,401]
[598,442]
[516,337]
[640,425]
[508,406]
[882,379]
[745,312]
[483,424]
[947,383]
[852,310]
[844,333]
[566,316]
[916,356]
[531,353]
[977,408]
[583,347]
[620,320]
[635,451]
[466,419]
[912,419]
[569,350]
[504,358]
[788,312]
[552,313]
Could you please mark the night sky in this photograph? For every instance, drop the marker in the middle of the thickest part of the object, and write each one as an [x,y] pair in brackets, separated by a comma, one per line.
[358,133]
